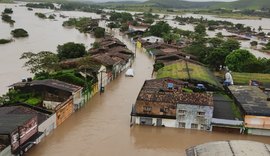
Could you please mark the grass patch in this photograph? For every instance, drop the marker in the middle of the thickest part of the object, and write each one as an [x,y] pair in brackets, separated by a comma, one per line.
[244,78]
[179,70]
[236,111]
[33,101]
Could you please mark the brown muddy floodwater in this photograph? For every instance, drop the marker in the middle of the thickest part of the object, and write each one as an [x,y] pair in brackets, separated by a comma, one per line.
[102,127]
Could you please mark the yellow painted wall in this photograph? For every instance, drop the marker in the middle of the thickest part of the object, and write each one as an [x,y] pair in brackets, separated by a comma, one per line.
[262,122]
[138,44]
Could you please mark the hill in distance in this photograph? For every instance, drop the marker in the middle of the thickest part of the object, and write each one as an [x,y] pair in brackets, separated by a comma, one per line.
[240,4]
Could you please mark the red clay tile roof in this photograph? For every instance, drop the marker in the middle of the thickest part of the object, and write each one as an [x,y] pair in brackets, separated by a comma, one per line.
[156,91]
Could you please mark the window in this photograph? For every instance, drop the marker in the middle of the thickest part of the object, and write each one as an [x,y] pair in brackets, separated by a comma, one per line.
[164,110]
[200,113]
[182,125]
[147,108]
[181,117]
[181,112]
[194,126]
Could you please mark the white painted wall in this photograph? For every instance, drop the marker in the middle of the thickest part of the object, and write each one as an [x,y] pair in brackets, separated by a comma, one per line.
[6,151]
[263,132]
[169,122]
[48,125]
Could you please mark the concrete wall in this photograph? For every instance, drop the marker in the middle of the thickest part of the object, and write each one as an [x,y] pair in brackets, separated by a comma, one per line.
[48,125]
[6,151]
[190,116]
[164,122]
[263,132]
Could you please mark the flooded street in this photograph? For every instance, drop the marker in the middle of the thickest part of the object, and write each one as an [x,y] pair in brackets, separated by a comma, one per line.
[102,127]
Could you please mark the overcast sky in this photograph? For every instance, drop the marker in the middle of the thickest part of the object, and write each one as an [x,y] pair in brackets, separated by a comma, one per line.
[164,0]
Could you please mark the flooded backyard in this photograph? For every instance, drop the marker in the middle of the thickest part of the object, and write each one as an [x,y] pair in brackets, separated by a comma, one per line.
[102,127]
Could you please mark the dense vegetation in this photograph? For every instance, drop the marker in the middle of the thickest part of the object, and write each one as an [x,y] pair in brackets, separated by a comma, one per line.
[84,24]
[4,41]
[70,50]
[40,5]
[7,18]
[40,15]
[99,32]
[8,11]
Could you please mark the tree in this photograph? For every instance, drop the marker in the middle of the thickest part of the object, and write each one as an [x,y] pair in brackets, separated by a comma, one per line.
[124,28]
[99,32]
[70,50]
[215,42]
[239,26]
[113,25]
[238,59]
[43,61]
[19,33]
[96,45]
[160,28]
[219,35]
[260,28]
[171,37]
[200,29]
[8,11]
[231,45]
[253,43]
[217,57]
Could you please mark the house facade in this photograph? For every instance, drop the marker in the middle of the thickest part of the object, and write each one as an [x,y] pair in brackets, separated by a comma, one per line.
[16,130]
[254,105]
[194,116]
[164,102]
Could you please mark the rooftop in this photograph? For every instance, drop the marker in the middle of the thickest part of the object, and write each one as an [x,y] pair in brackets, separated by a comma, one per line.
[22,110]
[50,83]
[10,122]
[156,91]
[185,70]
[230,148]
[252,99]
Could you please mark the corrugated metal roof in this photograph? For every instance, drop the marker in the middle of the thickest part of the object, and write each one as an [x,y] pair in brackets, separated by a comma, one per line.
[10,122]
[252,99]
[230,148]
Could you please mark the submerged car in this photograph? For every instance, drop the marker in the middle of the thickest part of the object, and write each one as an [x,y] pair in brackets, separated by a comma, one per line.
[129,73]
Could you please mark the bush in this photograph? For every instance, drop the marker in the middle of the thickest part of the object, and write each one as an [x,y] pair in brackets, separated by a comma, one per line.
[7,18]
[4,41]
[19,33]
[99,32]
[70,50]
[8,11]
[40,15]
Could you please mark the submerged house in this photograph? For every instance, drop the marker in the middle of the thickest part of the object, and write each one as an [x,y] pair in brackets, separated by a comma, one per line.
[16,132]
[254,105]
[172,103]
[58,97]
[114,55]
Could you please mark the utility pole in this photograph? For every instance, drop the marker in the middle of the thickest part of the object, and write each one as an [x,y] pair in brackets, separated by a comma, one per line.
[19,140]
[101,79]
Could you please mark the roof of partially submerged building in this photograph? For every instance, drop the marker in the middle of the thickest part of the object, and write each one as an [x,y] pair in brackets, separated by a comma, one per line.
[186,70]
[252,99]
[11,122]
[156,91]
[230,148]
[25,110]
[50,83]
